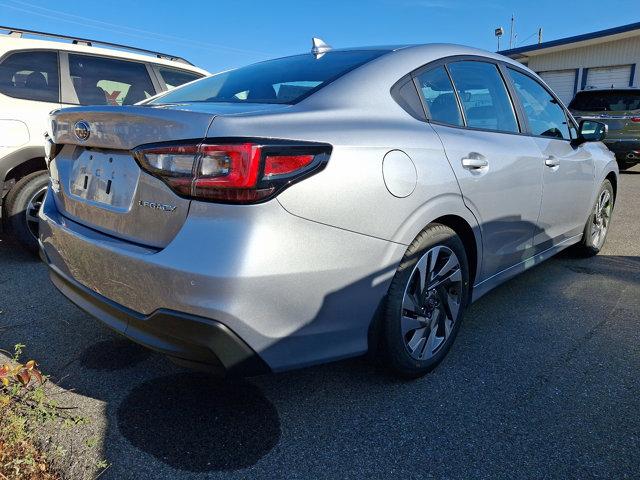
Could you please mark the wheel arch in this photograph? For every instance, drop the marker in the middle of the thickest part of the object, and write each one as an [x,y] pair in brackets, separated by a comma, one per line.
[468,237]
[25,168]
[20,164]
[613,178]
[448,210]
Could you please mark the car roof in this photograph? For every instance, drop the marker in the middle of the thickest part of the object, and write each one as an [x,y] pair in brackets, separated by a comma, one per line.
[9,43]
[427,49]
[610,89]
[383,72]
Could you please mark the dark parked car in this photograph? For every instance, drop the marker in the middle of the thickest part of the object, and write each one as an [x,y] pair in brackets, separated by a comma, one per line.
[619,109]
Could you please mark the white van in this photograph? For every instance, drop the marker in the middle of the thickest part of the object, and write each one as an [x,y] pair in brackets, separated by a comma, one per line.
[38,76]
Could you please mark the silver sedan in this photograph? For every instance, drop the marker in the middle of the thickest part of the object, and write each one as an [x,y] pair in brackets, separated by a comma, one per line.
[319,206]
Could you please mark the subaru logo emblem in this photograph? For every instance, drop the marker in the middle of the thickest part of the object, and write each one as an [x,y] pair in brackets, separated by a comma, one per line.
[82,130]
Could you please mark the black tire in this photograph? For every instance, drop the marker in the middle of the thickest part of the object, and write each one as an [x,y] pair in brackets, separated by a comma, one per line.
[393,341]
[16,204]
[587,247]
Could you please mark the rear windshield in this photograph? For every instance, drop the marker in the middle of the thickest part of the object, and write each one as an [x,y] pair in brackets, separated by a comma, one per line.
[606,101]
[284,80]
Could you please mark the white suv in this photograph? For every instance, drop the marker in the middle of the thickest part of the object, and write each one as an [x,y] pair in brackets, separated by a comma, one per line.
[38,76]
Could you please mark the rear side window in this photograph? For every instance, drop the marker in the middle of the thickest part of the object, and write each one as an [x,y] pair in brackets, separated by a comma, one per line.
[606,101]
[174,78]
[106,81]
[439,98]
[283,80]
[31,75]
[546,117]
[484,96]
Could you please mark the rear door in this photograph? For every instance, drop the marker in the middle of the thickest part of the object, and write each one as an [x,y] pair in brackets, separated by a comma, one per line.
[497,168]
[31,83]
[96,80]
[568,171]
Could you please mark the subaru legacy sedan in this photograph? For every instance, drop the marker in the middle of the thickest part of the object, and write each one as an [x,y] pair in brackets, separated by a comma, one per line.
[319,206]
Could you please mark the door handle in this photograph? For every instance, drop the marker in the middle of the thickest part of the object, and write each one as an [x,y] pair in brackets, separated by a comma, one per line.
[552,161]
[474,163]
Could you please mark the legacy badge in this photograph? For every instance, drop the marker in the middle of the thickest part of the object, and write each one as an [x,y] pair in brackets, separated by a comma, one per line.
[157,206]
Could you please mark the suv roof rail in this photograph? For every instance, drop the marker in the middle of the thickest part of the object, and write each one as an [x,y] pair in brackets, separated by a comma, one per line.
[18,32]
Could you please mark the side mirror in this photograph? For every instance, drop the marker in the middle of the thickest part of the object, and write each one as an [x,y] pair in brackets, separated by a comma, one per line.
[592,131]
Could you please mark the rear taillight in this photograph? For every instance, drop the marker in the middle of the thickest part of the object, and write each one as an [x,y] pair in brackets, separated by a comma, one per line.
[635,119]
[243,172]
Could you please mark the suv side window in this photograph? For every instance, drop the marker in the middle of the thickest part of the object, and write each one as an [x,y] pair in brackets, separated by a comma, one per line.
[546,117]
[31,76]
[106,81]
[484,96]
[438,96]
[174,78]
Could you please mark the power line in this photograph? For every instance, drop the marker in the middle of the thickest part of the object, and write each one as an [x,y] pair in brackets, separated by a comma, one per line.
[120,28]
[530,36]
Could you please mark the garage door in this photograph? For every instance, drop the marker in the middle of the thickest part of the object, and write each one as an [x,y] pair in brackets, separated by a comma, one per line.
[608,77]
[562,82]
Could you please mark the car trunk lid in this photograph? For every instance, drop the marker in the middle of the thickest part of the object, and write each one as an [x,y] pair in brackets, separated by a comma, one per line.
[97,182]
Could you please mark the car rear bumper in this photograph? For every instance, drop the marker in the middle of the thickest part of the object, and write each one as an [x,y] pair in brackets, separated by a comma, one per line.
[189,339]
[625,150]
[293,291]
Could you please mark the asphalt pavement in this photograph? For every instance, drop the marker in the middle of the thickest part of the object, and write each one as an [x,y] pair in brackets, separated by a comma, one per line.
[543,381]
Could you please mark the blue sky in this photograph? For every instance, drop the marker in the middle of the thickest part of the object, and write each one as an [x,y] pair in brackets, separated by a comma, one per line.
[218,34]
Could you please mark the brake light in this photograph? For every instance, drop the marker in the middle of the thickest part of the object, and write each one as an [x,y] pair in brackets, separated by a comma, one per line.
[244,172]
[635,119]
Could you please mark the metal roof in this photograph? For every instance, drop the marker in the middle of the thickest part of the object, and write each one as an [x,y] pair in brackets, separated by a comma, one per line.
[575,39]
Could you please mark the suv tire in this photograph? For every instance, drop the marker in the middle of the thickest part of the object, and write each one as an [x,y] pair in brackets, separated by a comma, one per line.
[21,209]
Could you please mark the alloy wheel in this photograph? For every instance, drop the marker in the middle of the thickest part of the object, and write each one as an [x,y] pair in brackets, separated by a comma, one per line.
[31,212]
[601,218]
[431,302]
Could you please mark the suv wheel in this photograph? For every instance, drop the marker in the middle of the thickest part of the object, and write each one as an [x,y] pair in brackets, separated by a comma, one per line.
[21,208]
[426,302]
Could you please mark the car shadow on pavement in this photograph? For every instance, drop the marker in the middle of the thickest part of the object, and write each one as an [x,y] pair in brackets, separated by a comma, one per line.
[196,423]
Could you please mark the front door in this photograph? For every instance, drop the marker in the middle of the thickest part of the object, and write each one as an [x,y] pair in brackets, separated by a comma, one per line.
[568,170]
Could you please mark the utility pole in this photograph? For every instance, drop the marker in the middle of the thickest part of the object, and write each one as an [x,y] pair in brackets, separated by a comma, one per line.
[511,31]
[539,35]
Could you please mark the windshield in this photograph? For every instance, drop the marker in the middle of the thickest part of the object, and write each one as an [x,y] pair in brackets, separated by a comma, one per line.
[606,101]
[284,80]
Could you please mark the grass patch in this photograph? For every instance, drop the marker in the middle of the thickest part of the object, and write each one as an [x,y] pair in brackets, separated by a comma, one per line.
[28,415]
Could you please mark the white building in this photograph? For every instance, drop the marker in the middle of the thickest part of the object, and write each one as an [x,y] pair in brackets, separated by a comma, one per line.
[605,59]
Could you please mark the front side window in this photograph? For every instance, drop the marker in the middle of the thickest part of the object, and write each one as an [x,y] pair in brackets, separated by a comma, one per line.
[283,80]
[545,115]
[174,78]
[106,81]
[439,97]
[31,76]
[484,96]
